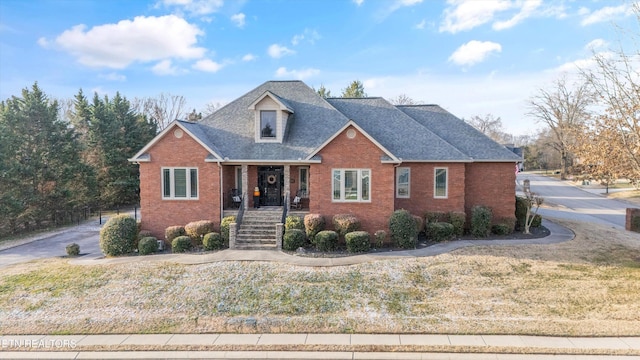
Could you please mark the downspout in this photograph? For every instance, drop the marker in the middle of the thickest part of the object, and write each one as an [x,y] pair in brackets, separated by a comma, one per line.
[221,192]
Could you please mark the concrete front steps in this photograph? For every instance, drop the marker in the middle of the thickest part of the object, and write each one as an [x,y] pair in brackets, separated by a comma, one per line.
[258,229]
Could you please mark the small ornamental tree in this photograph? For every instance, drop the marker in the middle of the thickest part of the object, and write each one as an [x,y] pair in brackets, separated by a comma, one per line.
[532,200]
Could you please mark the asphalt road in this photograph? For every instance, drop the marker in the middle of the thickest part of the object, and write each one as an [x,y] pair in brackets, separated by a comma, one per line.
[53,244]
[565,201]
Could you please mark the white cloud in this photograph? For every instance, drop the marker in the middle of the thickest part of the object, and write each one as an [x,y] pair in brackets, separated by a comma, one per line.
[113,77]
[276,51]
[607,13]
[249,57]
[303,74]
[474,52]
[193,7]
[238,19]
[358,2]
[43,42]
[165,67]
[528,9]
[421,24]
[467,14]
[596,44]
[310,35]
[145,39]
[207,65]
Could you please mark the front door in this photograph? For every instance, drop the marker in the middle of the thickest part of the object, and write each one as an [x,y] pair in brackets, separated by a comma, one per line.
[270,181]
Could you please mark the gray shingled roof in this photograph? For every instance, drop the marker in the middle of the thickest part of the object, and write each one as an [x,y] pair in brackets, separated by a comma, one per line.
[410,133]
[458,133]
[400,134]
[232,128]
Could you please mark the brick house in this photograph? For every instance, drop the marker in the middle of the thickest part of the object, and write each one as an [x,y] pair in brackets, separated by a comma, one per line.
[362,156]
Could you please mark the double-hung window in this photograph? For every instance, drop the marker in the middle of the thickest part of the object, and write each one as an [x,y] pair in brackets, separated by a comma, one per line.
[179,183]
[403,178]
[352,185]
[268,124]
[440,183]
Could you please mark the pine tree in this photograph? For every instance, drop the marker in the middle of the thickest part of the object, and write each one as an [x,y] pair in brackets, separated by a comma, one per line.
[354,90]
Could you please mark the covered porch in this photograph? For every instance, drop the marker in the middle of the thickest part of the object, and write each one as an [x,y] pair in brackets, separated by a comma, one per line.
[277,185]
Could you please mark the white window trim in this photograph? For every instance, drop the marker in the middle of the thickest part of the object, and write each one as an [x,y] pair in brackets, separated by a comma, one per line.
[172,183]
[408,195]
[300,179]
[446,183]
[342,188]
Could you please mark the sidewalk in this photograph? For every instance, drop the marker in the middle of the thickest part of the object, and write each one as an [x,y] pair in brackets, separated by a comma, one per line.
[314,346]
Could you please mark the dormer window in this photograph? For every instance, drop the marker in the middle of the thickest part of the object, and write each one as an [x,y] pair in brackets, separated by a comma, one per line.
[268,124]
[272,114]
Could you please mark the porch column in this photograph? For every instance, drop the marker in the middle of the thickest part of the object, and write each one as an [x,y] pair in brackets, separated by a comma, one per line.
[245,185]
[287,180]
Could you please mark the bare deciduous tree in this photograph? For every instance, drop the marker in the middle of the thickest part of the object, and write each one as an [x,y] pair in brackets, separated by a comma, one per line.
[613,148]
[162,109]
[211,107]
[490,126]
[402,99]
[564,111]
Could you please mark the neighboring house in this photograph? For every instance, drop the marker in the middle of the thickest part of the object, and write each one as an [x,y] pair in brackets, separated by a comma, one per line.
[362,156]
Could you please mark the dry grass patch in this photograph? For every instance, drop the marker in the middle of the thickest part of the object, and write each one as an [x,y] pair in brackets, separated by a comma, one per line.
[588,286]
[632,196]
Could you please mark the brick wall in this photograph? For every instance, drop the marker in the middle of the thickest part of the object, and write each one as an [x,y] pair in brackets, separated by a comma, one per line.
[421,192]
[357,153]
[156,213]
[632,220]
[492,185]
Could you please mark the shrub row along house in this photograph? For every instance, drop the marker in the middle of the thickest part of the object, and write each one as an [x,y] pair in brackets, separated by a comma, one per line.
[360,156]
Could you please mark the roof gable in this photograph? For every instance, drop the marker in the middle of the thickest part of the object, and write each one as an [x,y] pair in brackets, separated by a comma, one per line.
[191,129]
[281,102]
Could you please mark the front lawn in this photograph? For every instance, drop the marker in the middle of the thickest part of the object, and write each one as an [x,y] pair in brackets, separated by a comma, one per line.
[588,286]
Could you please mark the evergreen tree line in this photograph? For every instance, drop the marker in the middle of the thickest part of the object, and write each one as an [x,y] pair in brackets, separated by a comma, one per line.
[52,166]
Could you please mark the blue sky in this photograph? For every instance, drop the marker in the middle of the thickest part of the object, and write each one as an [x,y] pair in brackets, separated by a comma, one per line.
[471,57]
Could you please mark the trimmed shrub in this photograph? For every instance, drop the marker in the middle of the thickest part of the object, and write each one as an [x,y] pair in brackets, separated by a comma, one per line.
[181,244]
[537,221]
[173,232]
[212,241]
[326,240]
[294,222]
[293,239]
[197,229]
[380,237]
[144,234]
[73,249]
[439,231]
[118,236]
[224,227]
[419,223]
[480,221]
[521,212]
[504,226]
[436,216]
[358,241]
[313,224]
[457,219]
[147,245]
[345,223]
[403,229]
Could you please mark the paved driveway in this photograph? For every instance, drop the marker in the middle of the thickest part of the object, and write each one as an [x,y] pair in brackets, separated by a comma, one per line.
[569,202]
[53,244]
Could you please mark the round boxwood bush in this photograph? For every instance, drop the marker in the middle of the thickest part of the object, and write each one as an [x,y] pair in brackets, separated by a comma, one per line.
[358,241]
[212,241]
[181,244]
[196,230]
[345,223]
[326,240]
[73,249]
[293,239]
[439,231]
[403,229]
[313,224]
[118,236]
[294,222]
[480,221]
[147,245]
